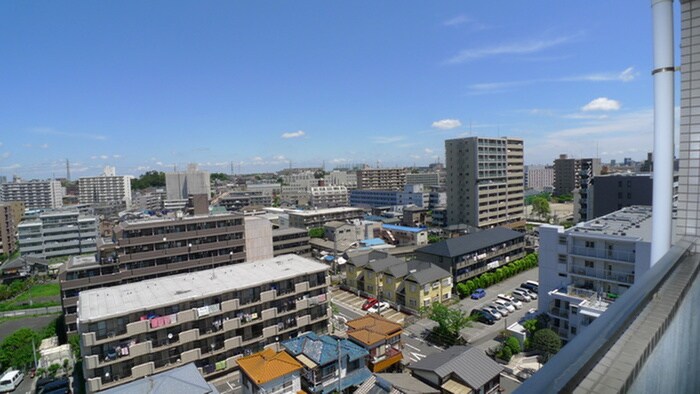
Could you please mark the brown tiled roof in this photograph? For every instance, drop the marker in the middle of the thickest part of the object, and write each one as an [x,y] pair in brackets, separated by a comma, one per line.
[268,365]
[372,328]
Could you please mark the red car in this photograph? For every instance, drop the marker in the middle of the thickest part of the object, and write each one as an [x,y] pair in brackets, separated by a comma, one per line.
[369,303]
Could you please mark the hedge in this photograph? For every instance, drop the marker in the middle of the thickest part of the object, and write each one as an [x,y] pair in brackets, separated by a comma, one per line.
[464,289]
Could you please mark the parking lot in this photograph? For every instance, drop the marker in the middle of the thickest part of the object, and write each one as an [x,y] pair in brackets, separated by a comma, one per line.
[353,303]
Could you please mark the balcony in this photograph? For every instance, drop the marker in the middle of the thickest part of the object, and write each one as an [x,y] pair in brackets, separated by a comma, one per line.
[386,360]
[596,273]
[617,255]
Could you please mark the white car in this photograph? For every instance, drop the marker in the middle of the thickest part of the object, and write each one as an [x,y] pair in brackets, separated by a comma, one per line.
[500,308]
[379,307]
[517,304]
[521,295]
[505,304]
[532,294]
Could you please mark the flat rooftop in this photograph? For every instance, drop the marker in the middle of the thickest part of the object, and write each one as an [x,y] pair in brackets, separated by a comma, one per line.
[108,302]
[165,219]
[326,211]
[630,222]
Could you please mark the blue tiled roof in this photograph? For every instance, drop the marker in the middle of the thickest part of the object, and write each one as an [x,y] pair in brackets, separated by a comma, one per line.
[372,241]
[323,349]
[403,228]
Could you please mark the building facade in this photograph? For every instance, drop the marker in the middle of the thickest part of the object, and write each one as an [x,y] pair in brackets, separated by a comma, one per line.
[58,234]
[571,174]
[211,318]
[179,185]
[328,196]
[427,179]
[609,193]
[153,247]
[235,201]
[291,241]
[105,190]
[10,216]
[582,270]
[589,168]
[485,181]
[342,178]
[539,177]
[381,178]
[318,217]
[410,195]
[381,338]
[34,194]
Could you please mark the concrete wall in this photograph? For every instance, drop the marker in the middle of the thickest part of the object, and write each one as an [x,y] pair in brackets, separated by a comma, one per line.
[258,238]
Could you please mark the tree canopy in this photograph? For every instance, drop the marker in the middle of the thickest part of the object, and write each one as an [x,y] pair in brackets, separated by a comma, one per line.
[16,349]
[218,176]
[149,179]
[317,232]
[547,342]
[540,206]
[450,323]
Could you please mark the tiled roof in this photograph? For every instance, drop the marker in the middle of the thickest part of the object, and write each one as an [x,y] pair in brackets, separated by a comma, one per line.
[323,349]
[468,363]
[469,243]
[184,379]
[268,365]
[371,329]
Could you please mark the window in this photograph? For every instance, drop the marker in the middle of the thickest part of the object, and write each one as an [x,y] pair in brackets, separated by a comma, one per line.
[590,244]
[426,302]
[426,288]
[446,296]
[412,303]
[573,330]
[388,280]
[412,288]
[574,311]
[387,294]
[436,285]
[589,264]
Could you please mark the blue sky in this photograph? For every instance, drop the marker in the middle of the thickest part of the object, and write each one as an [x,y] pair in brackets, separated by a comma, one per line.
[152,85]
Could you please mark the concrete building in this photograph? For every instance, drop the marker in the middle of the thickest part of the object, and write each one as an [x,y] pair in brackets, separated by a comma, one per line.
[211,317]
[328,196]
[342,233]
[149,201]
[291,241]
[235,201]
[381,338]
[403,235]
[342,178]
[270,189]
[589,168]
[485,181]
[409,195]
[179,185]
[318,217]
[153,247]
[258,238]
[427,179]
[570,174]
[58,234]
[269,371]
[105,190]
[608,193]
[34,194]
[381,178]
[473,254]
[582,270]
[539,177]
[10,216]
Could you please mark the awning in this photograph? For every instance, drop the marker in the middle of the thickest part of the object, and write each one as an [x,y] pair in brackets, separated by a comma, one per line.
[588,312]
[455,387]
[306,361]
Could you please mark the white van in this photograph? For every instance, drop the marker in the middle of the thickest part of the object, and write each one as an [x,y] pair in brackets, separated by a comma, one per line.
[10,381]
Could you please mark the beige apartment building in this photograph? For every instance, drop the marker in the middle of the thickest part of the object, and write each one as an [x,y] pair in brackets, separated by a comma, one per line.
[485,181]
[211,317]
[10,216]
[381,178]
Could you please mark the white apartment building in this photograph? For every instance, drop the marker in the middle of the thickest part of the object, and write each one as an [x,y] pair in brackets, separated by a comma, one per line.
[105,189]
[35,194]
[427,179]
[179,185]
[539,177]
[585,268]
[342,178]
[328,196]
[57,234]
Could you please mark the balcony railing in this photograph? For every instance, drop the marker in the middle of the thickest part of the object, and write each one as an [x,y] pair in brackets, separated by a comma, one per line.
[620,255]
[618,276]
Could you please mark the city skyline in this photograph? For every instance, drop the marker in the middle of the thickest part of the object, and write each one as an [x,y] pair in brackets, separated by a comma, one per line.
[154,87]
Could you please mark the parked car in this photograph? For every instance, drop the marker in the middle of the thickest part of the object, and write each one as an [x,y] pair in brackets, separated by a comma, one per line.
[500,308]
[493,311]
[505,304]
[369,303]
[56,386]
[521,295]
[517,304]
[530,285]
[10,380]
[482,316]
[532,294]
[379,307]
[478,294]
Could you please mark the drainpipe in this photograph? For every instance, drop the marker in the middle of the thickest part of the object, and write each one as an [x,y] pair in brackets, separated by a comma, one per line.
[663,73]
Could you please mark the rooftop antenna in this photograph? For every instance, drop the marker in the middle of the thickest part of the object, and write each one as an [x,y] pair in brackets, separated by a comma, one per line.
[231,168]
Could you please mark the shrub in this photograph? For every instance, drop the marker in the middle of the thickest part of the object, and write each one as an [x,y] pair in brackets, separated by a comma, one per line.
[513,344]
[547,342]
[505,354]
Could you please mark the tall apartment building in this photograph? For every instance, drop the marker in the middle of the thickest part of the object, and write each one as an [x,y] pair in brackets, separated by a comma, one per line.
[571,174]
[608,193]
[57,234]
[539,177]
[106,189]
[148,248]
[211,317]
[290,240]
[381,178]
[179,185]
[484,181]
[342,178]
[427,179]
[328,196]
[34,194]
[10,215]
[589,168]
[583,269]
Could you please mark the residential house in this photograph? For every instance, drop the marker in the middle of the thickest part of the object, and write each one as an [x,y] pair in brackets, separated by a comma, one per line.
[381,338]
[269,371]
[459,369]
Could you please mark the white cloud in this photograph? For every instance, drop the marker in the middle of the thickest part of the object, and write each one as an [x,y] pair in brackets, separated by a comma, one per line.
[5,155]
[387,140]
[280,158]
[602,104]
[117,156]
[159,163]
[446,124]
[257,158]
[457,20]
[517,48]
[428,150]
[294,134]
[11,167]
[44,146]
[104,157]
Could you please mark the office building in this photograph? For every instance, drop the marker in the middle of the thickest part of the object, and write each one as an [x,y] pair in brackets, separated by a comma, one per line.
[58,233]
[381,178]
[10,216]
[328,196]
[318,217]
[211,318]
[582,270]
[153,247]
[148,201]
[34,194]
[179,185]
[473,254]
[539,177]
[571,174]
[106,189]
[409,195]
[270,189]
[291,241]
[485,181]
[427,179]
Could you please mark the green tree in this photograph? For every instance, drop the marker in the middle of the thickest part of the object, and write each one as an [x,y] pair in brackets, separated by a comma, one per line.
[317,232]
[540,207]
[547,342]
[513,344]
[432,238]
[450,322]
[505,353]
[16,349]
[74,342]
[149,179]
[53,369]
[218,176]
[530,326]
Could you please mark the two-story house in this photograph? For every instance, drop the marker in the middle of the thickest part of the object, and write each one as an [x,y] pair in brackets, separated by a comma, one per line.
[381,338]
[269,371]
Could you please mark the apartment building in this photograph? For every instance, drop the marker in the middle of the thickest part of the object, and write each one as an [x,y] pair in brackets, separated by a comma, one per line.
[211,317]
[328,196]
[153,247]
[582,270]
[258,238]
[342,178]
[269,371]
[106,189]
[609,193]
[381,338]
[235,201]
[381,178]
[409,195]
[403,235]
[291,241]
[427,179]
[539,177]
[485,181]
[179,185]
[589,168]
[473,254]
[34,194]
[58,233]
[407,285]
[10,216]
[148,201]
[318,217]
[571,174]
